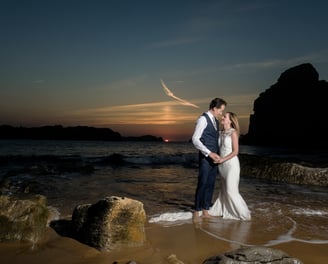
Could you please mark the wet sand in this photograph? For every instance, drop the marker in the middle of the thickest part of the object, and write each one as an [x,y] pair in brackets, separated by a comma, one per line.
[188,242]
[289,217]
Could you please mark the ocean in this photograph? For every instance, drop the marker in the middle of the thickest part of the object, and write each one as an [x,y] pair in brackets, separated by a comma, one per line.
[163,177]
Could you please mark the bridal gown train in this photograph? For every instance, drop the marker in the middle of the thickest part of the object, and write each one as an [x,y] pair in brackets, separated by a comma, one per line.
[229,204]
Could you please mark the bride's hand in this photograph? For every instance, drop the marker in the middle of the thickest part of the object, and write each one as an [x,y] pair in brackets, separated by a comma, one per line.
[215,157]
[218,160]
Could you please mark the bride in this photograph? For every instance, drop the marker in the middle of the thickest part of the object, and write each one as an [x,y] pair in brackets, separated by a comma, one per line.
[229,204]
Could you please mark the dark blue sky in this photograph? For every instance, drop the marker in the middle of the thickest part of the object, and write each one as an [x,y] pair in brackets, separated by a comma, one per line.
[99,63]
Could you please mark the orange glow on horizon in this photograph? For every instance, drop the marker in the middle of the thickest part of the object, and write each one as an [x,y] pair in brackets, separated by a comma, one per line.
[167,119]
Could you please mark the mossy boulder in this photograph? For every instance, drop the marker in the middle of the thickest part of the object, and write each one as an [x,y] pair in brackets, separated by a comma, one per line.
[111,223]
[23,220]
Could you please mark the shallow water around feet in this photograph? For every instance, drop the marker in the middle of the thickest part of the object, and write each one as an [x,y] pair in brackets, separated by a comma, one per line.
[280,212]
[164,178]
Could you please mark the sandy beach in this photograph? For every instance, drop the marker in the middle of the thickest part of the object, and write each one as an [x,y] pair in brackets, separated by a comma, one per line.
[293,218]
[187,241]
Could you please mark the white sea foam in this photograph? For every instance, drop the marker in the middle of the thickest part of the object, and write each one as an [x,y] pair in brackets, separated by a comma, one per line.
[171,217]
[178,218]
[225,239]
[288,237]
[303,211]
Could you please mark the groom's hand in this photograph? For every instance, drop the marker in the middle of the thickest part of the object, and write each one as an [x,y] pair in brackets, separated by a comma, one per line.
[215,157]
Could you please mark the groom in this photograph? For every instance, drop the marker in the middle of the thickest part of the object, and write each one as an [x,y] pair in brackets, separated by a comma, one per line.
[205,139]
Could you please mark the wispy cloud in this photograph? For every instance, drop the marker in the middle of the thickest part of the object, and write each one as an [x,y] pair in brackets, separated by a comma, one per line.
[273,63]
[157,116]
[311,57]
[211,17]
[268,64]
[158,113]
[170,94]
[155,113]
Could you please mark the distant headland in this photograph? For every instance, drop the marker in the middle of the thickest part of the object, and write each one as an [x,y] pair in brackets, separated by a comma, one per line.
[58,132]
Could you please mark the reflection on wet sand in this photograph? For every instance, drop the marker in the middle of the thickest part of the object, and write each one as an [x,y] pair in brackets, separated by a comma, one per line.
[236,233]
[191,243]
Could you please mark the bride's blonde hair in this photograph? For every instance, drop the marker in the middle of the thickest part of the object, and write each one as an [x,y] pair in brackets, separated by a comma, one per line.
[234,122]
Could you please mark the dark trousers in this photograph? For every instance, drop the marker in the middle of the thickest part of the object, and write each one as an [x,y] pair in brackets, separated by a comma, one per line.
[206,182]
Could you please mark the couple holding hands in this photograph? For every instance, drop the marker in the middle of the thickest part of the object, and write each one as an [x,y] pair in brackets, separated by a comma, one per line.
[218,150]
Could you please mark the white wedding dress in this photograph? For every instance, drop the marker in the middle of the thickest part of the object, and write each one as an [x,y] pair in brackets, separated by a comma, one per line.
[229,204]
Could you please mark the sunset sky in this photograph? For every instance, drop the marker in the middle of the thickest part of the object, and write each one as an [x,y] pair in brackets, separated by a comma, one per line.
[100,63]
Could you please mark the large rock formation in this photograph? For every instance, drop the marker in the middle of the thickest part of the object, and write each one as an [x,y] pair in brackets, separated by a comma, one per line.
[280,170]
[292,112]
[23,220]
[253,255]
[111,223]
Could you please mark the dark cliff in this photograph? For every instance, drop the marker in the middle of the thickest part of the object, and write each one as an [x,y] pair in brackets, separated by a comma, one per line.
[292,112]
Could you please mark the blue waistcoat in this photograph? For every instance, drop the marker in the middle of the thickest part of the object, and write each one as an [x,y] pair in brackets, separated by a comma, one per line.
[210,135]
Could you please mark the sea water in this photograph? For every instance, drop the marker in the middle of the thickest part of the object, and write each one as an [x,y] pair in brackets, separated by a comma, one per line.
[163,176]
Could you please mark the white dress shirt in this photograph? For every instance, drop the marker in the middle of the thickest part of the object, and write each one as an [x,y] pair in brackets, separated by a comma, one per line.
[199,129]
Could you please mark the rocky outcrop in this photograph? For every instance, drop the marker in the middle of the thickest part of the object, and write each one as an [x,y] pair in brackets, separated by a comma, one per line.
[111,223]
[253,255]
[23,220]
[279,170]
[291,112]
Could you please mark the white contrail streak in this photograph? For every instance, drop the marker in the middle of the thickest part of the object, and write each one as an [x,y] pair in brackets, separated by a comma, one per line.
[170,94]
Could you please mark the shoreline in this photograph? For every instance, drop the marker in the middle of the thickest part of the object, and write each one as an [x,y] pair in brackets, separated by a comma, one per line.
[187,242]
[75,174]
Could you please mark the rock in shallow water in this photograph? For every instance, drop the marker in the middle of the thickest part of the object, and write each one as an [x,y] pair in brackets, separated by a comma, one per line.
[111,223]
[253,255]
[280,170]
[23,220]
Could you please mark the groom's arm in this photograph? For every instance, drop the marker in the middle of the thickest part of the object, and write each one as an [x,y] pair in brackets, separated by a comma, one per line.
[199,129]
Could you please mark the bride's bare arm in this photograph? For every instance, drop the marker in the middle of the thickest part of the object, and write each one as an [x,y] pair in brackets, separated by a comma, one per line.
[235,148]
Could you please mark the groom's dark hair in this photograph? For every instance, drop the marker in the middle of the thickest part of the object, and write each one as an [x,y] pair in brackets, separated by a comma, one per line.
[217,102]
